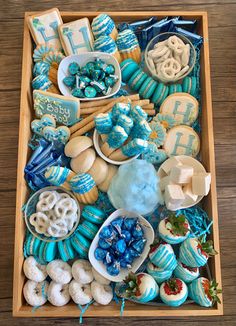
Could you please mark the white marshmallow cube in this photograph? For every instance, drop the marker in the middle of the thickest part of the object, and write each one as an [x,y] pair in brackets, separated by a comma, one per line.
[164,182]
[174,196]
[181,174]
[170,163]
[201,183]
[190,197]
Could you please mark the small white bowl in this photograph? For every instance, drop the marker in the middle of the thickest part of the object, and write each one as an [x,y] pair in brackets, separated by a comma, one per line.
[97,143]
[197,168]
[82,59]
[148,235]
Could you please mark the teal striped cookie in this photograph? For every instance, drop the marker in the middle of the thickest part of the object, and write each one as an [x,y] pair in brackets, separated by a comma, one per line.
[137,79]
[148,87]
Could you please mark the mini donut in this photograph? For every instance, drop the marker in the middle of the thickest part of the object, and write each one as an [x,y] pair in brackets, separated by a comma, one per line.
[33,270]
[82,271]
[99,278]
[80,293]
[35,293]
[59,271]
[102,294]
[58,294]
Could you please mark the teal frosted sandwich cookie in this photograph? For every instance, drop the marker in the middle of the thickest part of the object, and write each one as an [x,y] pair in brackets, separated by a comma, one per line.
[66,250]
[47,251]
[88,229]
[160,94]
[148,87]
[80,244]
[189,85]
[31,245]
[93,214]
[175,88]
[128,68]
[137,79]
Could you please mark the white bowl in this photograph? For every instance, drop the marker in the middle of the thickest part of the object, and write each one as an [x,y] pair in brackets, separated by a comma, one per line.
[148,234]
[82,59]
[197,168]
[97,143]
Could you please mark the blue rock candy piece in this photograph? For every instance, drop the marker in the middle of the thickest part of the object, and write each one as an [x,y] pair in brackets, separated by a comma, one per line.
[99,253]
[121,246]
[106,232]
[129,223]
[138,245]
[114,268]
[136,146]
[125,122]
[116,137]
[137,231]
[118,109]
[104,244]
[126,235]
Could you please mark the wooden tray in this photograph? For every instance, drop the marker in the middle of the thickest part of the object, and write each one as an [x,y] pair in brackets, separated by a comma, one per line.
[20,309]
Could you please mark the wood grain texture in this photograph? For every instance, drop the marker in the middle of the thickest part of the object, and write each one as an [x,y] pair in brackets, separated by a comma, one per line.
[223,70]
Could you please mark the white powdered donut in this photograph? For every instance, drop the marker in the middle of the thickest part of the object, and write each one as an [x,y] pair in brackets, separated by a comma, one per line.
[33,270]
[59,271]
[82,271]
[35,293]
[102,294]
[99,278]
[80,293]
[58,294]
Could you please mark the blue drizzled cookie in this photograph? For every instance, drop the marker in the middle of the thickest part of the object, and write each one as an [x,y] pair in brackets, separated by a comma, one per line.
[58,176]
[104,25]
[93,214]
[128,45]
[163,256]
[185,273]
[84,188]
[41,68]
[159,274]
[105,43]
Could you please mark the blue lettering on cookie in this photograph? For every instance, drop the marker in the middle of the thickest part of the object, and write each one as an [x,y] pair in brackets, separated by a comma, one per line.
[185,113]
[85,44]
[188,146]
[54,26]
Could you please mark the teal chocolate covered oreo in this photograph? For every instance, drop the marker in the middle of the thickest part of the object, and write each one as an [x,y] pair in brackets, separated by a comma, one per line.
[80,244]
[189,85]
[148,88]
[93,214]
[88,229]
[66,250]
[128,68]
[160,94]
[137,79]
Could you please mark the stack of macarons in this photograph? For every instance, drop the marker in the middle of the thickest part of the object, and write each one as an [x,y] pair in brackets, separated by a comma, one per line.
[148,88]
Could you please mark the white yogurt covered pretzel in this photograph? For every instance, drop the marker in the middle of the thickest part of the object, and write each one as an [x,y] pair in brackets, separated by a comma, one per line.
[58,228]
[65,207]
[47,201]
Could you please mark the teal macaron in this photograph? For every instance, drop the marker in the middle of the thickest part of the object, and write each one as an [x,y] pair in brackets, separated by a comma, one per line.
[137,79]
[160,93]
[80,244]
[175,88]
[31,245]
[93,214]
[128,68]
[189,85]
[66,250]
[148,87]
[88,229]
[47,251]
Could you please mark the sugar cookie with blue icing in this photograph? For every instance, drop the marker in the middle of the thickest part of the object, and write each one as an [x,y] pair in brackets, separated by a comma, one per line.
[104,25]
[105,43]
[159,274]
[76,36]
[182,140]
[173,292]
[183,106]
[128,45]
[186,273]
[59,176]
[60,134]
[163,256]
[44,28]
[66,110]
[84,188]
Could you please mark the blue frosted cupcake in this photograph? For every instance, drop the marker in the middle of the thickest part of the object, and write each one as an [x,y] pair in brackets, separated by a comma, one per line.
[106,44]
[159,274]
[163,256]
[84,188]
[185,273]
[128,45]
[174,292]
[104,25]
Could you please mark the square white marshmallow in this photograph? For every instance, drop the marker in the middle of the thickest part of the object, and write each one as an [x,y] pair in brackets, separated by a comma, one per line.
[169,164]
[201,183]
[174,195]
[181,174]
[164,182]
[190,197]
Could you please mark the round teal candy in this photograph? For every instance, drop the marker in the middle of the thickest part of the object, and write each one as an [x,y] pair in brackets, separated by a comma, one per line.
[137,79]
[80,244]
[90,92]
[93,214]
[41,68]
[160,93]
[95,74]
[73,68]
[66,250]
[84,81]
[175,88]
[69,81]
[88,229]
[109,69]
[31,245]
[99,86]
[148,88]
[89,67]
[189,85]
[128,68]
[99,63]
[110,81]
[77,92]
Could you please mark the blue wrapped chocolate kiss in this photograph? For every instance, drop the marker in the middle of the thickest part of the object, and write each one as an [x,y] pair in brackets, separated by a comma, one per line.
[129,223]
[109,259]
[117,223]
[99,253]
[137,231]
[114,268]
[104,244]
[134,252]
[138,245]
[126,235]
[120,246]
[128,257]
[107,232]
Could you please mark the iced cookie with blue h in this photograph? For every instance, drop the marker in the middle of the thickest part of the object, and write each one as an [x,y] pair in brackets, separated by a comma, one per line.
[183,106]
[182,140]
[44,28]
[76,37]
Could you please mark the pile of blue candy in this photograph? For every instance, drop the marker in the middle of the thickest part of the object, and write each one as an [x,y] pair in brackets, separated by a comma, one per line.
[120,243]
[93,80]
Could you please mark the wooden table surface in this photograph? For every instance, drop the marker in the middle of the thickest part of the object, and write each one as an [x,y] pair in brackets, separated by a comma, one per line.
[222,29]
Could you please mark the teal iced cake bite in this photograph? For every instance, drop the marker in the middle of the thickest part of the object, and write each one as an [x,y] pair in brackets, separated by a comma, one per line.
[128,68]
[80,244]
[118,109]
[159,274]
[93,214]
[103,25]
[141,130]
[103,123]
[138,114]
[125,122]
[185,273]
[88,229]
